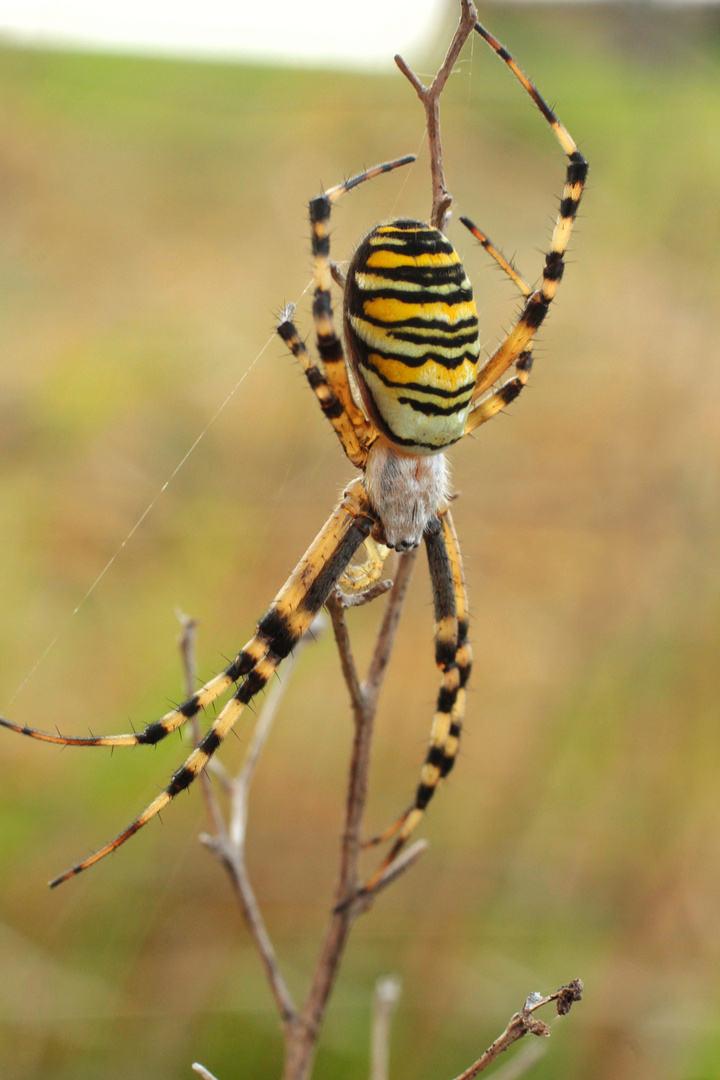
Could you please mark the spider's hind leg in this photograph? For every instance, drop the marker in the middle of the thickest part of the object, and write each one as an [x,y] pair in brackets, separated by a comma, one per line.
[454,658]
[350,430]
[153,733]
[282,626]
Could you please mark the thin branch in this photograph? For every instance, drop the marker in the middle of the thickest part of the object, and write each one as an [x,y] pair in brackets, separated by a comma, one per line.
[400,864]
[430,98]
[203,1072]
[228,841]
[302,1034]
[386,997]
[186,644]
[388,629]
[524,1022]
[348,905]
[234,863]
[523,1060]
[336,612]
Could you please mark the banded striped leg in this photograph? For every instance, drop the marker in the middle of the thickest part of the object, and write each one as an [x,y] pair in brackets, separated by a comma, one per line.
[328,343]
[463,656]
[352,436]
[253,653]
[536,307]
[491,405]
[454,658]
[497,255]
[279,630]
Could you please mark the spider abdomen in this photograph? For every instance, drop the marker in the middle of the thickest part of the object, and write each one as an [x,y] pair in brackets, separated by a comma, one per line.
[412,334]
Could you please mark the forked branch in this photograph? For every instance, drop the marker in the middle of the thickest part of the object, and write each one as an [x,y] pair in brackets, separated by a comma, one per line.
[430,98]
[227,842]
[302,1035]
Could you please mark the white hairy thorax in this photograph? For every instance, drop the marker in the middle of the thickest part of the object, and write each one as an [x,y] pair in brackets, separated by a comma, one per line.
[406,490]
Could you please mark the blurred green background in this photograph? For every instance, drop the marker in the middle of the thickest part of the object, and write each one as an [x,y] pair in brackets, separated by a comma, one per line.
[153,223]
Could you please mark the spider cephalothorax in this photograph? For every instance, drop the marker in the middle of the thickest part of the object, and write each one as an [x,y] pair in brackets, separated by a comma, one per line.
[411,334]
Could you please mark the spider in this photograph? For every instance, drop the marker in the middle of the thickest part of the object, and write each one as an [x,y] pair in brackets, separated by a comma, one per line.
[411,333]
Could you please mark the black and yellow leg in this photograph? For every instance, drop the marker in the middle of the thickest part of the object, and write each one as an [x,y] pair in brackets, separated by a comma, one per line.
[328,343]
[453,657]
[463,656]
[505,264]
[252,654]
[518,341]
[496,401]
[332,407]
[281,627]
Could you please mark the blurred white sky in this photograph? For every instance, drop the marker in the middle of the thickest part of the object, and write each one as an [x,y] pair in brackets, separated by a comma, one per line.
[364,33]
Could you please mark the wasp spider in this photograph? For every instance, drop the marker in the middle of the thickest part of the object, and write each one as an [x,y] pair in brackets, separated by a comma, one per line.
[411,333]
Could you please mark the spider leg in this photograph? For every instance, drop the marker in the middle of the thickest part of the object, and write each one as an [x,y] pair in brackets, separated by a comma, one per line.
[518,341]
[496,401]
[328,343]
[331,384]
[279,630]
[347,431]
[497,255]
[453,656]
[252,654]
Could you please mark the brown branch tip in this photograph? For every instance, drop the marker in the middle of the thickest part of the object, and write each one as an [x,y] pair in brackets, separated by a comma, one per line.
[566,996]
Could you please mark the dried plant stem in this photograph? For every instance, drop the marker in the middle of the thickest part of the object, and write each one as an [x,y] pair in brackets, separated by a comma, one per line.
[430,97]
[302,1026]
[302,1034]
[203,1072]
[228,841]
[387,995]
[524,1023]
[186,644]
[522,1061]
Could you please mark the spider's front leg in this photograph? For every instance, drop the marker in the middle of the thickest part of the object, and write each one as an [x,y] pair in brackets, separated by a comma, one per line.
[515,349]
[282,626]
[453,656]
[330,381]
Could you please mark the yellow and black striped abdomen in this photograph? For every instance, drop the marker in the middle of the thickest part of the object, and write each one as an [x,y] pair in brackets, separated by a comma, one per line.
[412,334]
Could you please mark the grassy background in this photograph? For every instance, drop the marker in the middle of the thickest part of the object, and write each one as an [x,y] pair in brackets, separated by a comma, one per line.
[153,221]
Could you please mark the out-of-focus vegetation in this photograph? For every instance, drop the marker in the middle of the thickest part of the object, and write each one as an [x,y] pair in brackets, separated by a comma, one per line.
[152,223]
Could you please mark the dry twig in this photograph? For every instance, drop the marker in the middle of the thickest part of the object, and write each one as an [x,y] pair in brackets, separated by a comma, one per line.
[430,97]
[524,1023]
[186,644]
[202,1071]
[228,841]
[387,995]
[303,1033]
